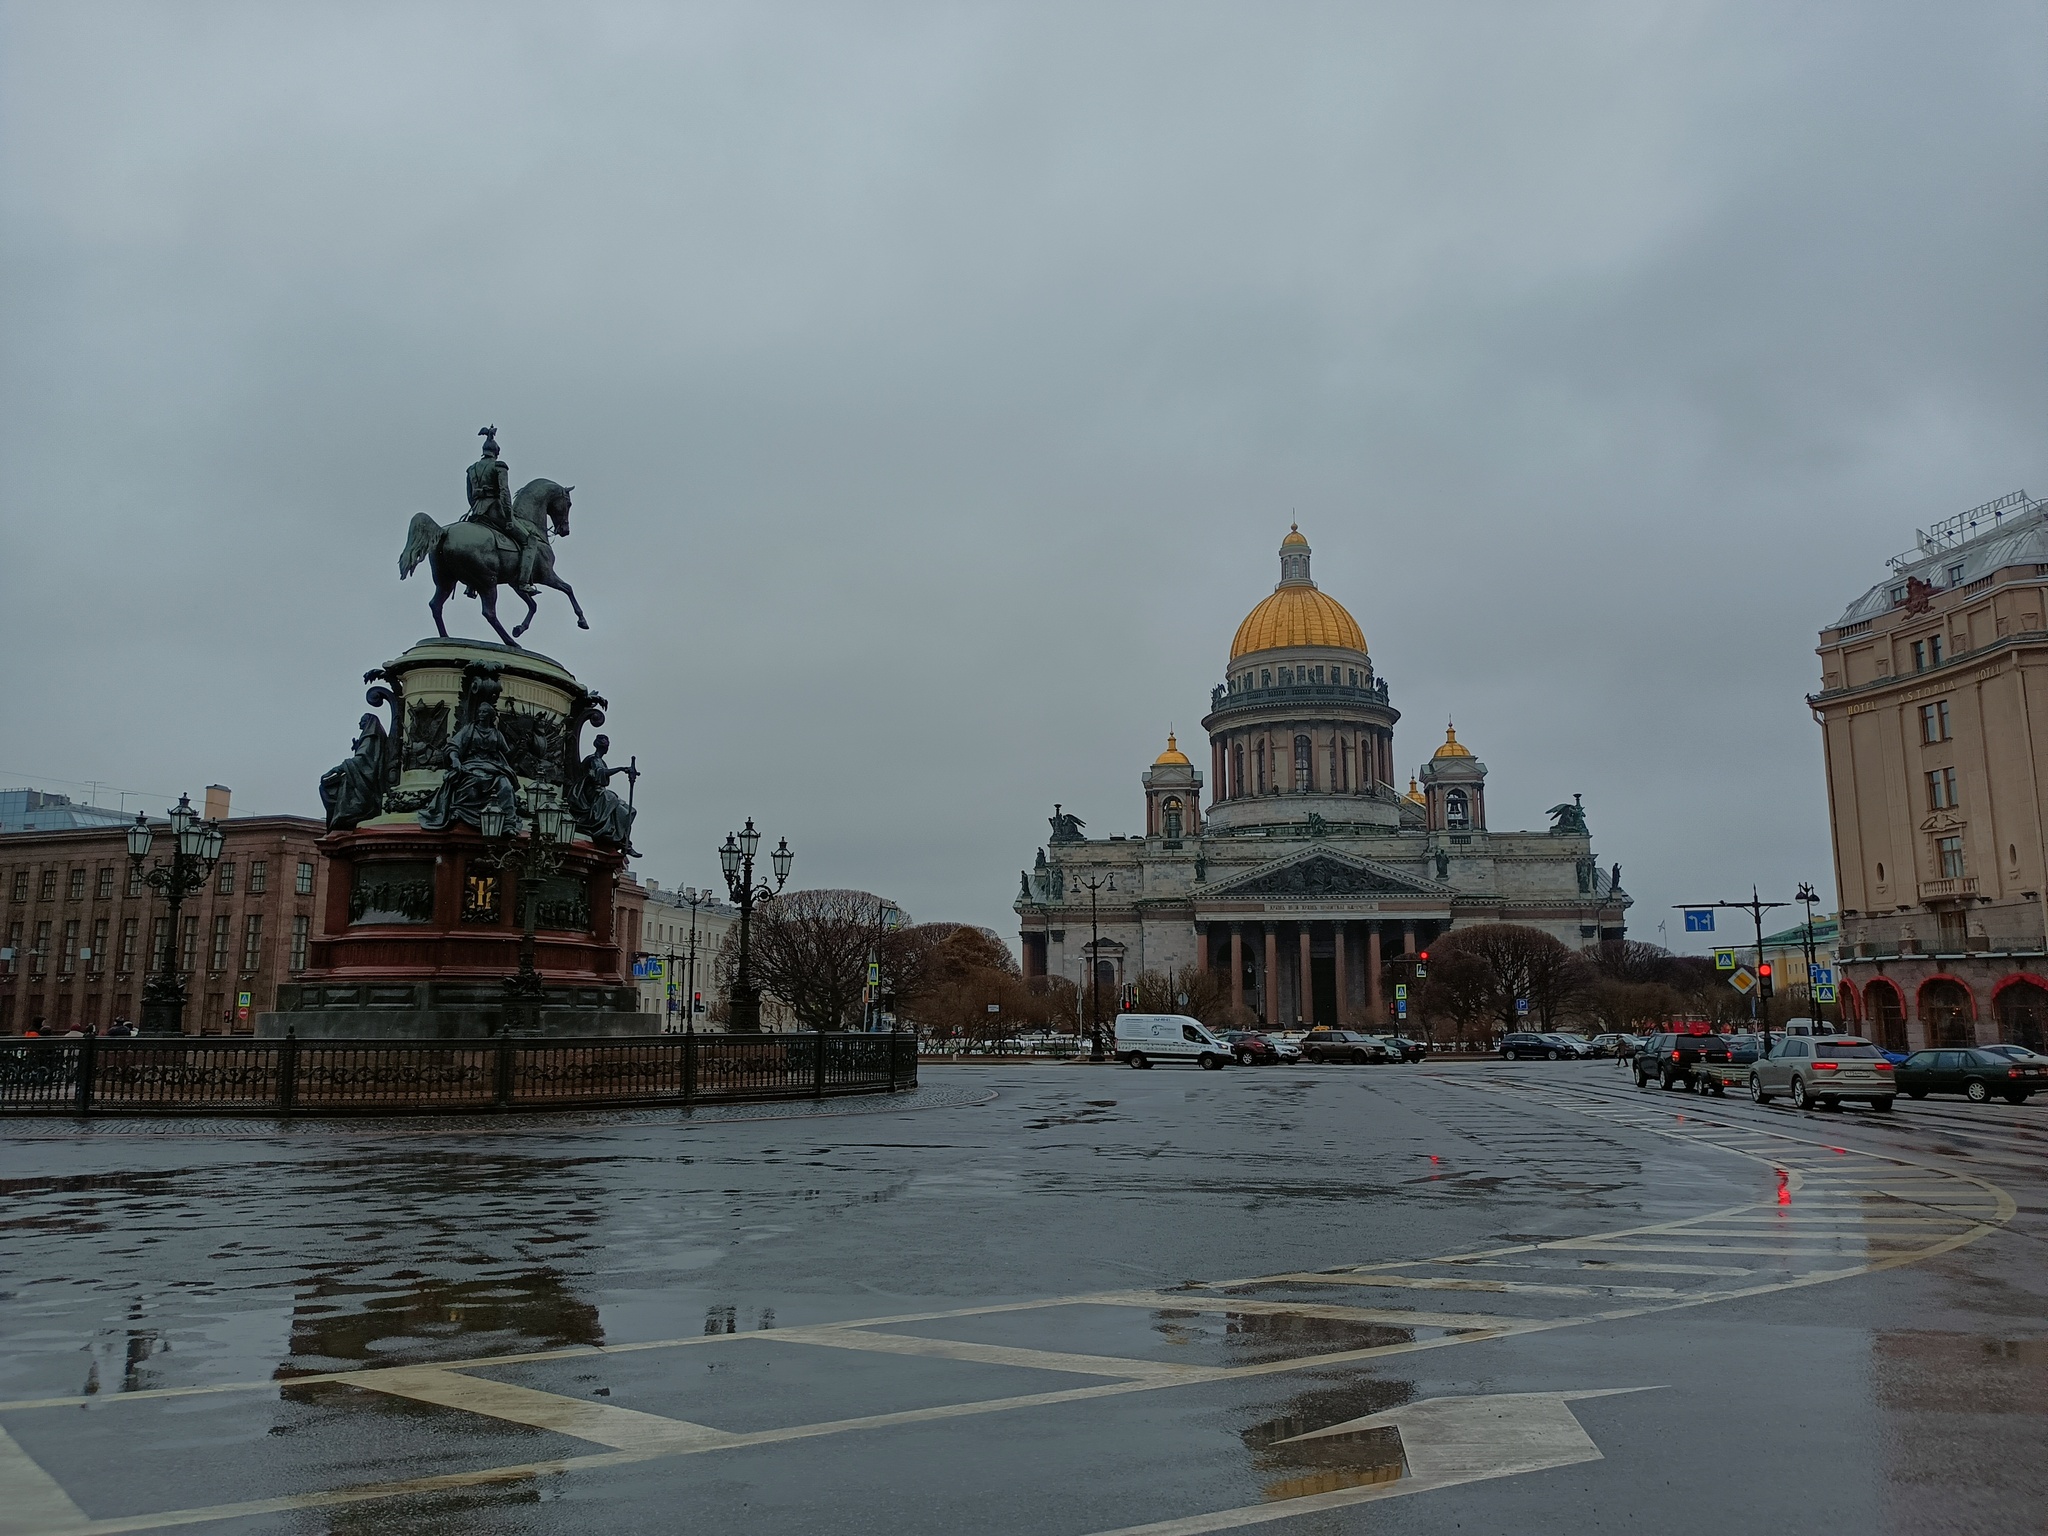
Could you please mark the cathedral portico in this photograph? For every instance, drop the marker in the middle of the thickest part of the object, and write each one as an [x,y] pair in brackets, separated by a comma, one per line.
[1308,870]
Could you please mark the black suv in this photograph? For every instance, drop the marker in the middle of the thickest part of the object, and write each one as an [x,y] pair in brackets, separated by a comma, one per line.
[1667,1059]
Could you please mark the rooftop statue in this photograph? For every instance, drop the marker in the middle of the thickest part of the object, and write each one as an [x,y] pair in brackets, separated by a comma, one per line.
[1568,820]
[1066,826]
[502,540]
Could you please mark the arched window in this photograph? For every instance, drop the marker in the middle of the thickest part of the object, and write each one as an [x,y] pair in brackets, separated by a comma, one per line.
[1236,769]
[1169,817]
[1887,1014]
[1457,811]
[1304,765]
[2022,1009]
[1946,1010]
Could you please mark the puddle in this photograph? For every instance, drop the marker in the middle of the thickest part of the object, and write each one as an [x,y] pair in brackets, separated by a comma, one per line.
[1290,1467]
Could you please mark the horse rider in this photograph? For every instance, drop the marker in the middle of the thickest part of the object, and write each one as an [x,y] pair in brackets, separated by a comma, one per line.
[490,503]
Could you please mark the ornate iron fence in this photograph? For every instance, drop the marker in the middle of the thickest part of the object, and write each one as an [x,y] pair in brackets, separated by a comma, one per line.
[88,1076]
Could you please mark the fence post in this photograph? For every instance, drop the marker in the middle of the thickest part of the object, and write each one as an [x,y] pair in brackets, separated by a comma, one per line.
[689,1066]
[86,1054]
[818,1081]
[505,1067]
[288,1070]
[890,1046]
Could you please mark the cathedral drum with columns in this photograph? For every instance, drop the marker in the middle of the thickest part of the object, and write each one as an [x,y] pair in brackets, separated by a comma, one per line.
[1309,868]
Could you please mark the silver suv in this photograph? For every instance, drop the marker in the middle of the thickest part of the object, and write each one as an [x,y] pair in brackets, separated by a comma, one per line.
[1821,1071]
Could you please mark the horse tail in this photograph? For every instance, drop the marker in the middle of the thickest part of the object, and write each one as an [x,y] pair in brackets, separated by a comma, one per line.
[420,540]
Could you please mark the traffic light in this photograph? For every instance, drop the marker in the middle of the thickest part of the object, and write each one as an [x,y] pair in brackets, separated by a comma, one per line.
[1763,980]
[1422,965]
[1127,997]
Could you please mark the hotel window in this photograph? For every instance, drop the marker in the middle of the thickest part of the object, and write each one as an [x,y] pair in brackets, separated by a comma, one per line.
[160,944]
[96,962]
[134,879]
[105,890]
[1950,850]
[46,888]
[226,887]
[300,926]
[259,876]
[77,885]
[40,955]
[219,955]
[21,885]
[1934,721]
[1941,789]
[1955,574]
[128,927]
[303,883]
[188,946]
[67,957]
[1898,594]
[14,945]
[252,940]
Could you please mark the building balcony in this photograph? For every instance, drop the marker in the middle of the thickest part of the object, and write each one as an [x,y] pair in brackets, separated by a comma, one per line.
[1948,890]
[1292,695]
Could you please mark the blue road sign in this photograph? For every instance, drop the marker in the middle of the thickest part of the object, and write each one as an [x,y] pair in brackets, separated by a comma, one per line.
[1821,975]
[1698,920]
[1824,992]
[647,970]
[1521,1005]
[1401,1008]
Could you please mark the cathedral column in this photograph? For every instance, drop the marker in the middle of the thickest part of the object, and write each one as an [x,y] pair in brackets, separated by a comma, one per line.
[1340,930]
[1236,966]
[1373,1001]
[1201,949]
[1407,938]
[1307,995]
[1272,976]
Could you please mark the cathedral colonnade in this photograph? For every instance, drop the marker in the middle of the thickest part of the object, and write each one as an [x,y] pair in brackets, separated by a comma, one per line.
[1294,972]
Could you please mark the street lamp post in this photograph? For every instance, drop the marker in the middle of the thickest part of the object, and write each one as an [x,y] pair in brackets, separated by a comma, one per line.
[195,848]
[736,858]
[887,917]
[1091,886]
[1807,898]
[532,858]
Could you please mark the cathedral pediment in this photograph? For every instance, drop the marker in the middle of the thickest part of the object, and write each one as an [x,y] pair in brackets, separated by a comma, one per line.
[1321,872]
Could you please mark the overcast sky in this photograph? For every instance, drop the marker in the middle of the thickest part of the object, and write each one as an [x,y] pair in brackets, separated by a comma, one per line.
[937,383]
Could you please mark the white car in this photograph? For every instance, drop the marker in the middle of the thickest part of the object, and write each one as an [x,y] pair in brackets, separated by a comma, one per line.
[1145,1038]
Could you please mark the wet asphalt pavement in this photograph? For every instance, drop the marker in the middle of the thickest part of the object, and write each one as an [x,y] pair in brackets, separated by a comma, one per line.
[1041,1298]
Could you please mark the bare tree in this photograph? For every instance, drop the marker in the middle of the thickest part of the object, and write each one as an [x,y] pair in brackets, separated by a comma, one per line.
[810,948]
[1478,975]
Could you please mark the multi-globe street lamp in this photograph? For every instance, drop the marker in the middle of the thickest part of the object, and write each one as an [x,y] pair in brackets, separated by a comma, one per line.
[736,858]
[888,918]
[1091,886]
[533,858]
[195,849]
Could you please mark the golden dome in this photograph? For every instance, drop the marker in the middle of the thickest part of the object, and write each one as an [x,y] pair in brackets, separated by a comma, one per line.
[1415,791]
[1297,613]
[1172,757]
[1452,747]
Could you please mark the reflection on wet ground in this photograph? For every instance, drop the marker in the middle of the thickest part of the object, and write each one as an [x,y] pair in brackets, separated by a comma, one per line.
[1291,1467]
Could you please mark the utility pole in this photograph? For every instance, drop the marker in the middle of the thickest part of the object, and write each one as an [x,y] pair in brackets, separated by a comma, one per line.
[1807,897]
[1756,908]
[1091,886]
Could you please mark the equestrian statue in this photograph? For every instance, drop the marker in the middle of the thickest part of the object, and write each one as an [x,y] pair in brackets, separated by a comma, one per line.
[502,540]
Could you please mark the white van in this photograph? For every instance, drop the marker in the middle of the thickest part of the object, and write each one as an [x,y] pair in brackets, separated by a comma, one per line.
[1143,1038]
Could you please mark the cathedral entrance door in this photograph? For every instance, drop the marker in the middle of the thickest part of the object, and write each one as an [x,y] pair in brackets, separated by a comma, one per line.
[1323,977]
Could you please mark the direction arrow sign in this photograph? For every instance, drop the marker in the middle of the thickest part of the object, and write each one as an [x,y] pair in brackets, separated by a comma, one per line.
[1742,980]
[1821,975]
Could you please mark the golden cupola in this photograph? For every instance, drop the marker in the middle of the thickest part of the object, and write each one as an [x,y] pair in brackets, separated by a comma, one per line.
[1452,747]
[1298,613]
[1172,757]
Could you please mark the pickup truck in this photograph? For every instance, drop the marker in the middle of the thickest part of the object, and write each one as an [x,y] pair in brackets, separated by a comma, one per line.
[1715,1074]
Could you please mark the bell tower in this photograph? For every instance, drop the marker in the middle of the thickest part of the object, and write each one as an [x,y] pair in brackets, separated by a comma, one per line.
[1454,787]
[1173,796]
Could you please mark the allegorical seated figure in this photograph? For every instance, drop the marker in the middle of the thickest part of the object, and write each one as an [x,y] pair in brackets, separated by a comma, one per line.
[353,791]
[599,813]
[479,775]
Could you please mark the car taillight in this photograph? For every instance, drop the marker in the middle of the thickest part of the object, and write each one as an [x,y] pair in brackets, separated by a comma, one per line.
[1882,1066]
[2015,1072]
[1824,1066]
[1676,1057]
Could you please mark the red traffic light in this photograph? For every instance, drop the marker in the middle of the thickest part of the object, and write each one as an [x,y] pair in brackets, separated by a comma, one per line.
[1763,970]
[1423,956]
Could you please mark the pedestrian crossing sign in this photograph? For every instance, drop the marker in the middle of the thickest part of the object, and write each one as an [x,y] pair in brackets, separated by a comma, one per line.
[1400,989]
[1724,959]
[1824,992]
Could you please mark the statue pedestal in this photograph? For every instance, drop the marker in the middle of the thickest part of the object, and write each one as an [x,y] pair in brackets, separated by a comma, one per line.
[421,930]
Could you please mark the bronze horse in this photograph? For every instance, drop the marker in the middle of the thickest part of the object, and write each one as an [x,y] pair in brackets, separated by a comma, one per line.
[480,558]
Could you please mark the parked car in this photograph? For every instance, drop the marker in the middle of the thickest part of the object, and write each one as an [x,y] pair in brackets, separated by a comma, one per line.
[1609,1044]
[1343,1045]
[1409,1050]
[1519,1047]
[1977,1074]
[2025,1055]
[1254,1049]
[1820,1071]
[1668,1059]
[1145,1038]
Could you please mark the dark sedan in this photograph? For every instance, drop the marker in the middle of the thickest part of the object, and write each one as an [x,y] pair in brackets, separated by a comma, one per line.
[1342,1045]
[1410,1050]
[1977,1075]
[1251,1049]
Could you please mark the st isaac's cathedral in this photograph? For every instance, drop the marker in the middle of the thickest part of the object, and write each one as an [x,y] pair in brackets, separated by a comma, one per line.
[1310,866]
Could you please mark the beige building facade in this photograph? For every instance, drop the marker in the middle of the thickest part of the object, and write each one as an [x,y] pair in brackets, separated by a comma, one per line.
[1310,867]
[1933,710]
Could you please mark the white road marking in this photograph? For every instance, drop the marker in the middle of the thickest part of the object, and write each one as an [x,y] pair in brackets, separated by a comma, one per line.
[1494,1287]
[31,1501]
[987,1354]
[1444,1440]
[623,1429]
